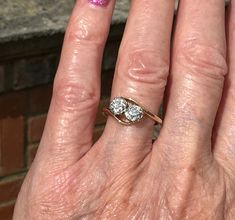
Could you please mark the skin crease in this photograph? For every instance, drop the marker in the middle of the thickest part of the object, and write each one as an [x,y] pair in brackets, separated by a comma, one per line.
[189,171]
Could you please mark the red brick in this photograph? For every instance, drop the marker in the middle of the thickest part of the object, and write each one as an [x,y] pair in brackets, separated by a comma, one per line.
[39,99]
[10,188]
[101,119]
[11,145]
[32,150]
[6,211]
[35,128]
[97,133]
[13,104]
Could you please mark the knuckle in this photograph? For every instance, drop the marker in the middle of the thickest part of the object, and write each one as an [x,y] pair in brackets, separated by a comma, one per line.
[200,59]
[142,66]
[83,30]
[74,96]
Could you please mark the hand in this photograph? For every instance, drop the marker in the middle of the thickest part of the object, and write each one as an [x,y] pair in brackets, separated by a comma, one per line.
[189,172]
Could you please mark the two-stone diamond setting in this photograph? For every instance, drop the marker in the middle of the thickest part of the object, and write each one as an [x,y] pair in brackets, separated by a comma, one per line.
[127,112]
[122,107]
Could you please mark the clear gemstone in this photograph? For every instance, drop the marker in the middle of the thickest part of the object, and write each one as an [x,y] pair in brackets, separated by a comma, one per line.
[118,106]
[134,113]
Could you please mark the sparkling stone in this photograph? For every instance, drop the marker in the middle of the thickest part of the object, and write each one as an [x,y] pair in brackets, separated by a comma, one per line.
[118,106]
[134,113]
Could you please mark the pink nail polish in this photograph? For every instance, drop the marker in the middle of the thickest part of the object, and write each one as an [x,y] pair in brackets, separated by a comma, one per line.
[101,3]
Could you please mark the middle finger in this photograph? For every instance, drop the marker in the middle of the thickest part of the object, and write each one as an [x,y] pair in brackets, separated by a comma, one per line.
[141,71]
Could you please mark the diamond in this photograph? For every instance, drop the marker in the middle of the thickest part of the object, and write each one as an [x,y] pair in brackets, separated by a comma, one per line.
[118,106]
[134,113]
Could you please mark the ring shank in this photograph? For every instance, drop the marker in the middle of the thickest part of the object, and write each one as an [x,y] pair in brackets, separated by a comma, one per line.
[158,120]
[107,112]
[154,117]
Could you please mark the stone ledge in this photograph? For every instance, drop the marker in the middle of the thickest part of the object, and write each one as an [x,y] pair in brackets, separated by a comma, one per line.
[23,19]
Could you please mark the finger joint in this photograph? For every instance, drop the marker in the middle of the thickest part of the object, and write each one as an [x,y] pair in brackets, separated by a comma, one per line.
[75,96]
[143,67]
[203,60]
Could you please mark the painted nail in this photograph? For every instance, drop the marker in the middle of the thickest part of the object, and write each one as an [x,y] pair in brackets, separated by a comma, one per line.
[101,3]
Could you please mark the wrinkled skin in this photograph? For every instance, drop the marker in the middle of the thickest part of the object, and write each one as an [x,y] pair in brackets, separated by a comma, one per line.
[189,171]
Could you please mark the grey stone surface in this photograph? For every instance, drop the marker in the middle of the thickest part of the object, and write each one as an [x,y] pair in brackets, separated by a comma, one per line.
[22,19]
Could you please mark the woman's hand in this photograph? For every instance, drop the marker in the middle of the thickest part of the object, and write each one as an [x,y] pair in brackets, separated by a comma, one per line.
[189,172]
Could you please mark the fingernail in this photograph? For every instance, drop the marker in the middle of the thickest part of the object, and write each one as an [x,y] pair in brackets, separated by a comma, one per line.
[99,2]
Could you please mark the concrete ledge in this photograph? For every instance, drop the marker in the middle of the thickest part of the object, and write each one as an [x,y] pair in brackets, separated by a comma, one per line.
[23,19]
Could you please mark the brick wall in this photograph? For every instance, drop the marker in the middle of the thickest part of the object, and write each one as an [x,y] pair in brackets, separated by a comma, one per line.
[25,93]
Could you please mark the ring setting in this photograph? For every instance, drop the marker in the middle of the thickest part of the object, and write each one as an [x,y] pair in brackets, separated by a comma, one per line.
[134,113]
[127,112]
[118,106]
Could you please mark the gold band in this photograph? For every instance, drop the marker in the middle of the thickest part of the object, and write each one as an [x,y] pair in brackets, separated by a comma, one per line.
[121,116]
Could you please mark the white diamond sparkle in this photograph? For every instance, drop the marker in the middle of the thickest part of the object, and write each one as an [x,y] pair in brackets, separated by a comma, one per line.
[134,113]
[118,106]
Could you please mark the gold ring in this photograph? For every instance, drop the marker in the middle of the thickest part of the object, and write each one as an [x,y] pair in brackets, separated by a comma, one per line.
[127,112]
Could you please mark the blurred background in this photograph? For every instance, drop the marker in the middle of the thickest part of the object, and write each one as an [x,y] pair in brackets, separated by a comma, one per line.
[31,36]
